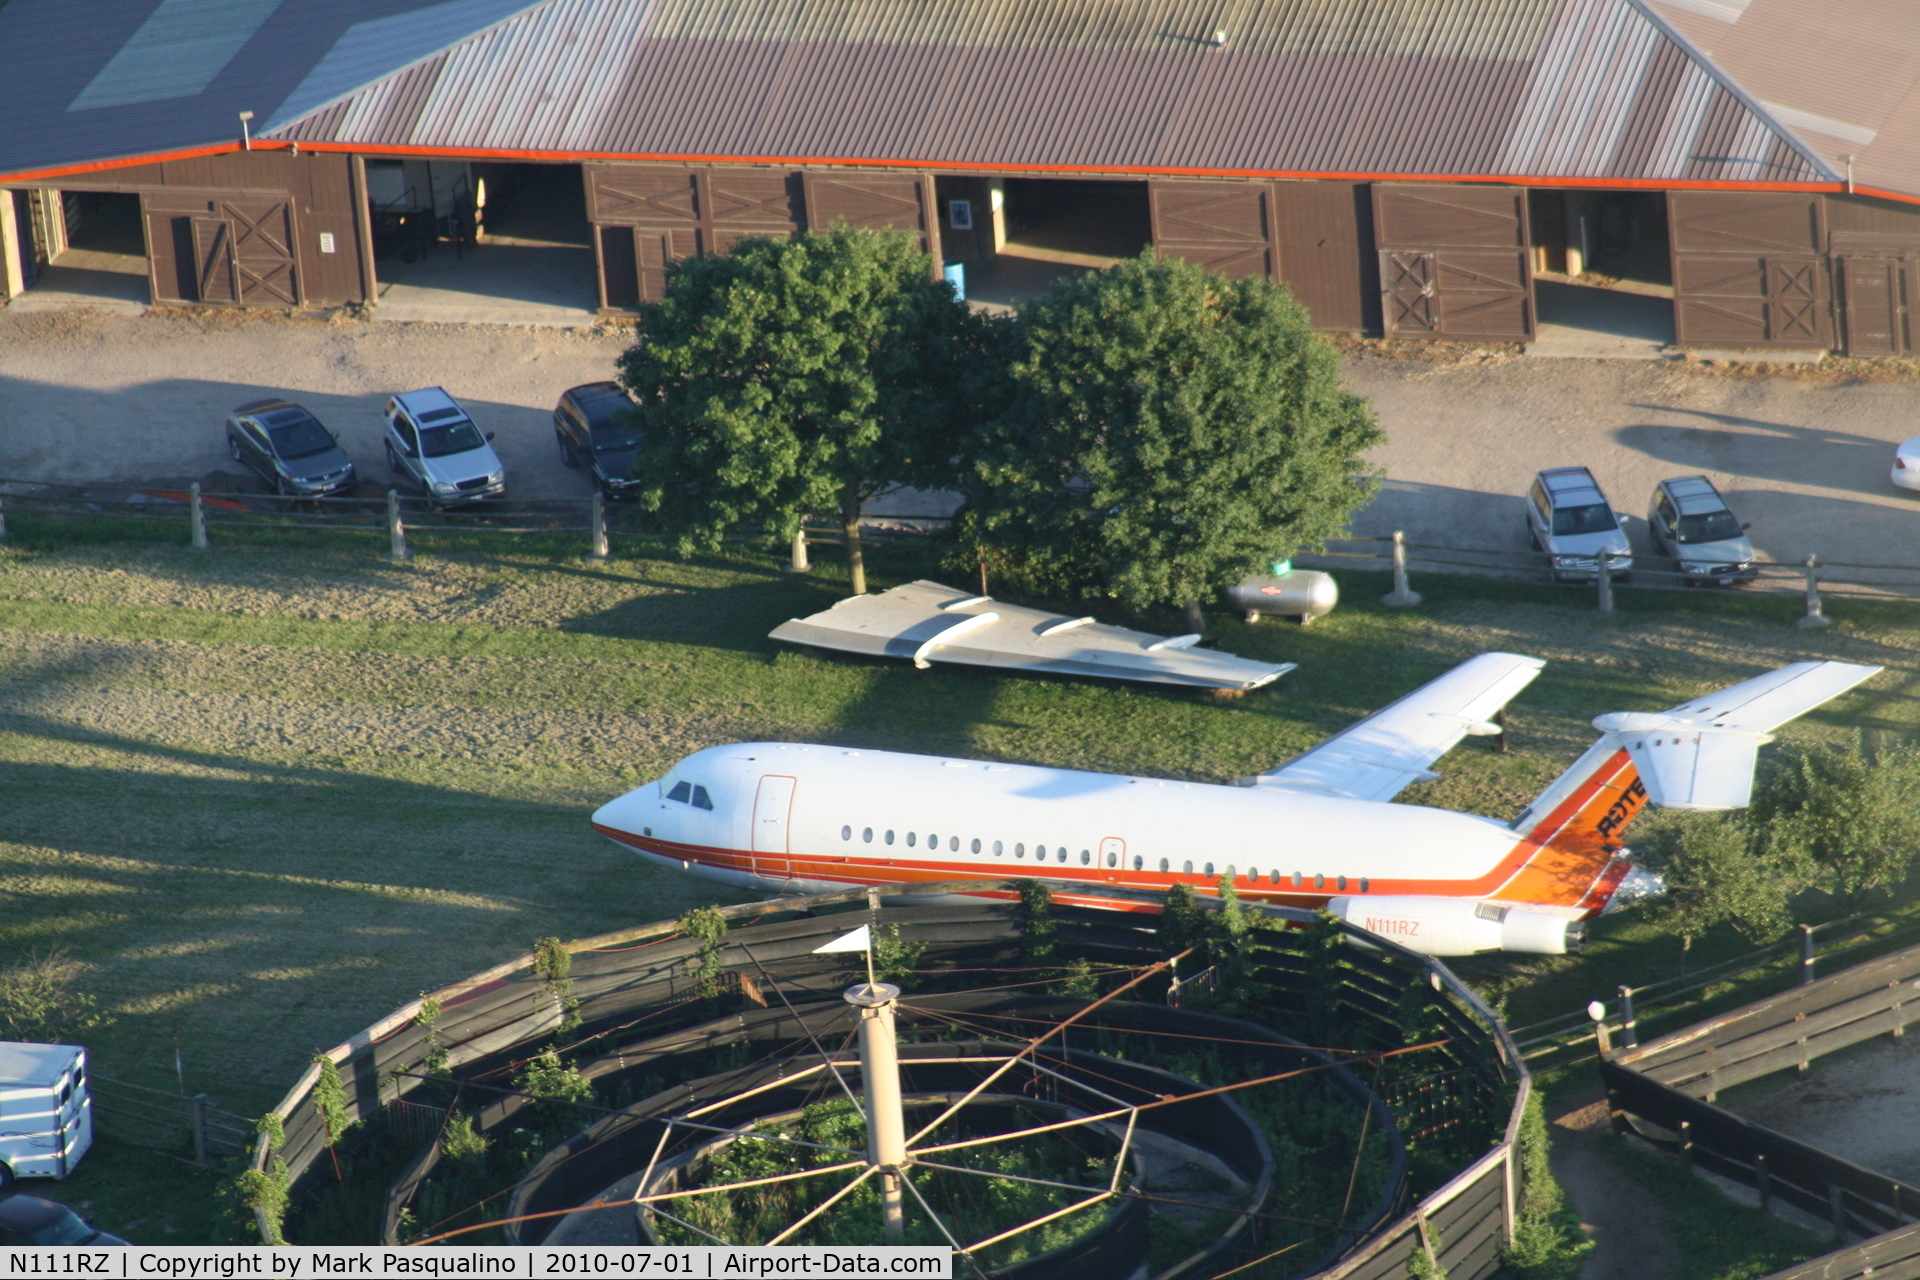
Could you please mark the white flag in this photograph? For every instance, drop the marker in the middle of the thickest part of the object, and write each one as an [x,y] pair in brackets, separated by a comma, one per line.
[860,939]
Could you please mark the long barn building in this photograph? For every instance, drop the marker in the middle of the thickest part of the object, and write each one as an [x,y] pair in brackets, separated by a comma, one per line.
[1747,172]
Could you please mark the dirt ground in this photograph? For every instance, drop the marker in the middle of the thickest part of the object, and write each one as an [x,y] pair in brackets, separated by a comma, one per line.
[1803,453]
[1863,1105]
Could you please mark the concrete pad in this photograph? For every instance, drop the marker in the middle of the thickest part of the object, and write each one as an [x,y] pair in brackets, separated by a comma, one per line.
[1758,357]
[1579,321]
[491,284]
[61,287]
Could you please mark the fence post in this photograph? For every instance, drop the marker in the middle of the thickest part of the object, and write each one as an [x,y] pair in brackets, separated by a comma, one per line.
[1814,618]
[1604,563]
[1763,1183]
[200,1129]
[1686,1145]
[396,532]
[598,516]
[1629,1033]
[1402,595]
[1837,1210]
[3,517]
[196,517]
[1806,954]
[797,559]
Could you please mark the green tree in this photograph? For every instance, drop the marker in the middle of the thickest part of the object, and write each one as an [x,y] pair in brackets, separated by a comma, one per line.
[1849,815]
[1717,872]
[1165,433]
[795,376]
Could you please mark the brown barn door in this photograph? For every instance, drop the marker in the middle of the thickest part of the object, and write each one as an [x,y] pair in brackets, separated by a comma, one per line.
[1876,300]
[1454,262]
[645,220]
[877,202]
[1226,227]
[216,274]
[754,203]
[1747,270]
[264,270]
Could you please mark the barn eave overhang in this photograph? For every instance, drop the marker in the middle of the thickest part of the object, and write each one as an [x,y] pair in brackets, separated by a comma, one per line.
[924,165]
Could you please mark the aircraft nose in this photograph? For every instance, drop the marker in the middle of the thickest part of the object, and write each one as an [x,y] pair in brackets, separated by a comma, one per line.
[625,813]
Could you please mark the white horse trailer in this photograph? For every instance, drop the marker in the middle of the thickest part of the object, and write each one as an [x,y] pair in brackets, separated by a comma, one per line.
[46,1114]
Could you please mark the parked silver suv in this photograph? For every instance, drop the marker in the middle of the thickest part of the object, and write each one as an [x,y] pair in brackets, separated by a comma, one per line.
[433,445]
[1691,523]
[1572,521]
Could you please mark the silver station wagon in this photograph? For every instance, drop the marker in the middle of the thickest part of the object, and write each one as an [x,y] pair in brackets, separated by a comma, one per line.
[1572,521]
[1691,523]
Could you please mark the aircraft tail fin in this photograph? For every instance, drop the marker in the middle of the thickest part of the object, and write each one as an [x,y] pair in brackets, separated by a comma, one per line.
[1700,755]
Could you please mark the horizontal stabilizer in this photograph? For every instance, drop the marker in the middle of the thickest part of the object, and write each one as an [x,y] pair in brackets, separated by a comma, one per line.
[1700,755]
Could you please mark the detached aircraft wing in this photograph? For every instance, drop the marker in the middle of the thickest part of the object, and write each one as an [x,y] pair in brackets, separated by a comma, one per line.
[1393,747]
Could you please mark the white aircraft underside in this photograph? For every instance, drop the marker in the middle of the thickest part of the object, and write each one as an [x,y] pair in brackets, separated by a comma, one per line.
[1315,832]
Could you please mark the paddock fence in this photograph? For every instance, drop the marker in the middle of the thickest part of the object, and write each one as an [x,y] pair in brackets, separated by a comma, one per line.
[201,514]
[148,1117]
[1666,1091]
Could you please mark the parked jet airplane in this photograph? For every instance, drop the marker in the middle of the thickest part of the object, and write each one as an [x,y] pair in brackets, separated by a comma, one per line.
[1315,832]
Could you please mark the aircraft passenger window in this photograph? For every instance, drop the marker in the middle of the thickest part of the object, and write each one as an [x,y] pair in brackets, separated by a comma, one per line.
[701,800]
[1186,868]
[682,791]
[1296,879]
[1139,863]
[953,845]
[1253,873]
[1062,853]
[1019,851]
[1230,871]
[1165,866]
[1343,884]
[866,835]
[846,833]
[976,845]
[933,841]
[911,837]
[1364,886]
[1274,876]
[1085,857]
[889,837]
[1113,859]
[1209,872]
[998,848]
[1319,881]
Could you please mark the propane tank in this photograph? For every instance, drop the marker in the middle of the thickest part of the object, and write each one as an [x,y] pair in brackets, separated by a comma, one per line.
[1305,594]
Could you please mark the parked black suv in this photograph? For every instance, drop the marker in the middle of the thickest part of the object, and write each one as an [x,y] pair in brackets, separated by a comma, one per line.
[594,425]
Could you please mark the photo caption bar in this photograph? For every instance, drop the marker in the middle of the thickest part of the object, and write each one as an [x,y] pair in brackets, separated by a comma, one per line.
[298,1262]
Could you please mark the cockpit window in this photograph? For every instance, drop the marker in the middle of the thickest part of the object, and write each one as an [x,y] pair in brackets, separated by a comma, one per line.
[682,791]
[700,799]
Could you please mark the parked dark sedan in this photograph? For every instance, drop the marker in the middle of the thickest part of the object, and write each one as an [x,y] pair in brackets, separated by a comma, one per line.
[594,424]
[29,1220]
[289,448]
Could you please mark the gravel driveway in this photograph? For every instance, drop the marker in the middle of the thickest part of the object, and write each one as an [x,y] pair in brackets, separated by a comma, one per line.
[88,396]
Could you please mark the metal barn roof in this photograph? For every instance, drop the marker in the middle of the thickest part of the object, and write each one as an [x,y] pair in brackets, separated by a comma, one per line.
[1629,90]
[1588,88]
[1843,74]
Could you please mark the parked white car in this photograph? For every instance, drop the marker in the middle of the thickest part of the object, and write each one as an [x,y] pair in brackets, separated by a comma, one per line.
[1906,464]
[1691,522]
[46,1114]
[433,446]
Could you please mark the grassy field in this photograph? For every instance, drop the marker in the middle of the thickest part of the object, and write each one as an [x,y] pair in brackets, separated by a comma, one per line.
[264,794]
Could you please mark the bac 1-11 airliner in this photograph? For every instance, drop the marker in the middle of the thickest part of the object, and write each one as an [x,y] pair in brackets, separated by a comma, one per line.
[1316,832]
